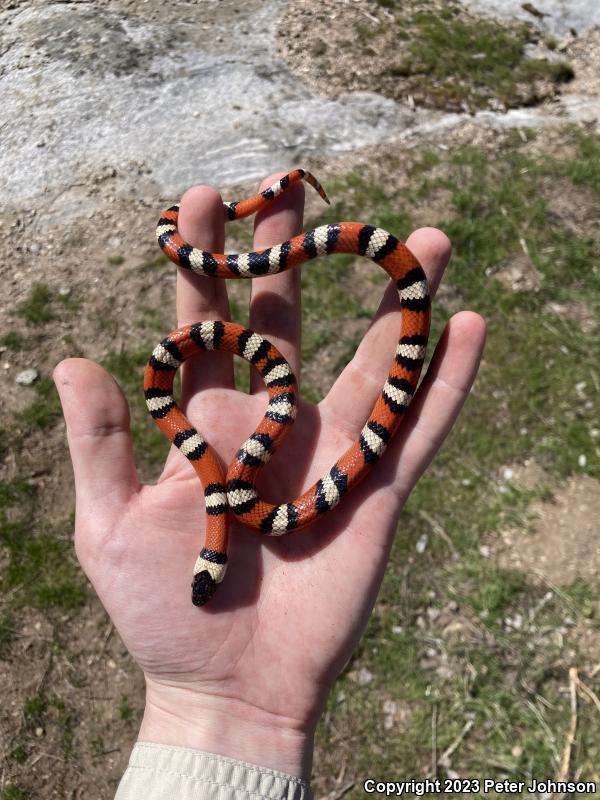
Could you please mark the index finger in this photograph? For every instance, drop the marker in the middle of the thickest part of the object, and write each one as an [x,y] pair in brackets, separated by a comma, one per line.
[202,224]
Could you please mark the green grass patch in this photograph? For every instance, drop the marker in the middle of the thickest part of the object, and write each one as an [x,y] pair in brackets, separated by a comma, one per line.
[37,307]
[41,566]
[65,719]
[19,754]
[442,57]
[35,707]
[541,356]
[12,341]
[126,711]
[40,563]
[494,591]
[499,207]
[158,261]
[45,410]
[467,61]
[583,596]
[13,792]
[40,710]
[127,367]
[7,632]
[16,492]
[43,305]
[583,169]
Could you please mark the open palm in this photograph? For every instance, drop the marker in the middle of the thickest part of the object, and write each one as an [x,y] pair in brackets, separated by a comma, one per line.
[247,675]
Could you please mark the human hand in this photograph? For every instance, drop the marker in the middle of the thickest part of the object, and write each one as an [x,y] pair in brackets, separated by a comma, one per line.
[247,675]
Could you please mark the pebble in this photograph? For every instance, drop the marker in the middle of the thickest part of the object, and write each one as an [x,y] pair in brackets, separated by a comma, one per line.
[364,677]
[515,622]
[390,707]
[421,543]
[27,377]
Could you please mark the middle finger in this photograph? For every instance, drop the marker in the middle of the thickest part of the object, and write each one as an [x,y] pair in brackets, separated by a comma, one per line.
[275,310]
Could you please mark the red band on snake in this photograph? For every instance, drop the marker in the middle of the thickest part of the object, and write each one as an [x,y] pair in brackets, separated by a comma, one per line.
[235,491]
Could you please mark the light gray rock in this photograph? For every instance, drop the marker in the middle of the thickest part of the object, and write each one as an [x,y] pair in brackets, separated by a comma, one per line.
[27,377]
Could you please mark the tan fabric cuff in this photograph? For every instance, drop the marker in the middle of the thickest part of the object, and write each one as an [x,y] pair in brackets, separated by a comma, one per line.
[162,772]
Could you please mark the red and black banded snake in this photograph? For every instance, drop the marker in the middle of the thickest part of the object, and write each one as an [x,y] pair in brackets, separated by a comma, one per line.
[235,491]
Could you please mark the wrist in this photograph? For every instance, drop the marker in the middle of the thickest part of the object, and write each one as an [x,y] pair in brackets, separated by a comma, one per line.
[225,726]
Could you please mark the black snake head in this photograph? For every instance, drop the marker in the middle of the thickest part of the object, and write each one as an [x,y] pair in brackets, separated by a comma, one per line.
[203,588]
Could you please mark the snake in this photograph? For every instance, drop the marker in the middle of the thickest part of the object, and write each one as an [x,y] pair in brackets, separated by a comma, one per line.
[234,491]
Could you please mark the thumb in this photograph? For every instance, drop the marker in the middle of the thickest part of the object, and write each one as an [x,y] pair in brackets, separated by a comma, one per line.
[99,436]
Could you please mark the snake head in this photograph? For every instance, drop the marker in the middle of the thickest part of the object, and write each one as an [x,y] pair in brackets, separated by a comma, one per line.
[203,588]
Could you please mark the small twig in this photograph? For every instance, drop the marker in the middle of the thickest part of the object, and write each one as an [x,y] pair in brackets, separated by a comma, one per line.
[109,752]
[558,591]
[44,754]
[109,632]
[369,16]
[595,671]
[589,693]
[444,760]
[434,741]
[11,592]
[545,727]
[503,765]
[566,759]
[337,793]
[537,608]
[437,529]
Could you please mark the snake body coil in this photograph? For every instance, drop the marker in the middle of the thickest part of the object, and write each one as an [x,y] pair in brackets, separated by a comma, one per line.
[236,490]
